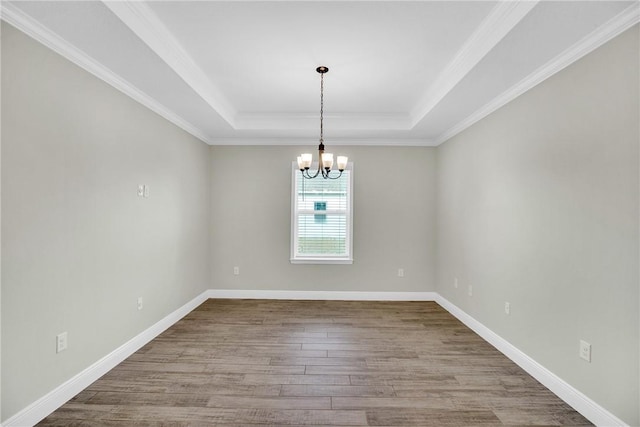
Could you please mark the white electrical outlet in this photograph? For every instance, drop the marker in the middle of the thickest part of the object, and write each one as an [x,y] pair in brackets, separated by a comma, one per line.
[585,351]
[140,305]
[455,282]
[236,271]
[470,291]
[61,342]
[507,308]
[401,272]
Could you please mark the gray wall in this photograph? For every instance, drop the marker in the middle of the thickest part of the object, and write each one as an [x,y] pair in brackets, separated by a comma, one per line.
[538,206]
[1,24]
[78,245]
[394,217]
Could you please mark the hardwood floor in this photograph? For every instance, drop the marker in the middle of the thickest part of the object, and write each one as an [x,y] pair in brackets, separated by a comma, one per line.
[244,362]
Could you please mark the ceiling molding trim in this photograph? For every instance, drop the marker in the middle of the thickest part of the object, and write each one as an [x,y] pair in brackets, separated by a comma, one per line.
[500,21]
[25,23]
[612,28]
[151,30]
[335,121]
[396,142]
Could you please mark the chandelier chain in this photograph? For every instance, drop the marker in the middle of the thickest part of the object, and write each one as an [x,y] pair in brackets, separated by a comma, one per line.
[321,104]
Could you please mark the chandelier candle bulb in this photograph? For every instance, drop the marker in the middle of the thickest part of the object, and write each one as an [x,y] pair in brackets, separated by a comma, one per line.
[300,163]
[327,160]
[306,160]
[342,163]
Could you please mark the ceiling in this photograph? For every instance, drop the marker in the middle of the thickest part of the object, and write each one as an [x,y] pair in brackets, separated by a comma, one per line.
[401,72]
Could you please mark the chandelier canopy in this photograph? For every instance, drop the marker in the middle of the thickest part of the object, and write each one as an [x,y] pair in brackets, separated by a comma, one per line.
[325,160]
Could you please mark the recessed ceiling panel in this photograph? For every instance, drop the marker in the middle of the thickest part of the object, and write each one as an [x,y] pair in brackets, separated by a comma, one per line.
[262,55]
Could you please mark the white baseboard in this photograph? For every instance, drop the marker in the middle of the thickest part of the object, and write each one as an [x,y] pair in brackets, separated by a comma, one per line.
[56,398]
[44,406]
[322,295]
[581,403]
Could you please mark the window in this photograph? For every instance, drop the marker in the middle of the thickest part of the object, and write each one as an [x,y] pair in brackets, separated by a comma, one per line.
[321,218]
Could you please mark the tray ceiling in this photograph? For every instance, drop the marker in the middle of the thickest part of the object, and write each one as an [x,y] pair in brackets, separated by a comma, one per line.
[401,73]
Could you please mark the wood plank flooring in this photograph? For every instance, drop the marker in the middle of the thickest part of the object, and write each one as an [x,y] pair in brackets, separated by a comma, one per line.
[346,363]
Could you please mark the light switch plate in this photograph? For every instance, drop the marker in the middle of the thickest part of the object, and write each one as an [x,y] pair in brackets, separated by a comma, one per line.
[61,342]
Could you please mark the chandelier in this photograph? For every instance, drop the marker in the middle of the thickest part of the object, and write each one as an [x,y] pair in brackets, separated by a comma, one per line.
[325,160]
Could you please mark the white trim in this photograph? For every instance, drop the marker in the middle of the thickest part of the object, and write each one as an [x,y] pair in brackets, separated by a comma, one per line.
[397,142]
[44,406]
[312,260]
[151,30]
[295,258]
[615,26]
[25,23]
[339,121]
[38,410]
[321,295]
[574,398]
[500,21]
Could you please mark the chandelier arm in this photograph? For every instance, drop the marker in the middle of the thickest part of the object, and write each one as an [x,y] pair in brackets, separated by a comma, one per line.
[305,174]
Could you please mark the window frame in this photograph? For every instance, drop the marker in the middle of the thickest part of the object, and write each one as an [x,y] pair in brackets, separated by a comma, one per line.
[296,258]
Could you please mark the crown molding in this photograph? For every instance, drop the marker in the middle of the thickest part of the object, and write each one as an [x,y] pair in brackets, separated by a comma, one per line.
[289,141]
[495,26]
[149,28]
[612,28]
[500,21]
[14,16]
[339,121]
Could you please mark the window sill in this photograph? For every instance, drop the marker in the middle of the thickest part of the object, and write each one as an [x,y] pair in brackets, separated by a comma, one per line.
[321,261]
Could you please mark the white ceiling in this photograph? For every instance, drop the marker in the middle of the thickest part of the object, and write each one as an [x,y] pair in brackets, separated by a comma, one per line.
[401,72]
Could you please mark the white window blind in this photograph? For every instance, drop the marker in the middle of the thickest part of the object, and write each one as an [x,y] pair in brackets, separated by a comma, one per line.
[321,218]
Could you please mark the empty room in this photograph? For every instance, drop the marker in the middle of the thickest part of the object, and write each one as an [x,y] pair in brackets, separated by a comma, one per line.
[336,213]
